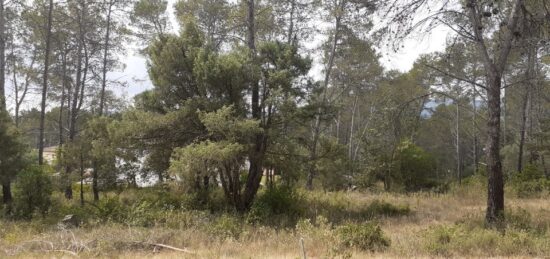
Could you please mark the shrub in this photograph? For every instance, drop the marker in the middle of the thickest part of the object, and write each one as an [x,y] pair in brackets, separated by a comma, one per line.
[33,189]
[529,182]
[110,209]
[368,236]
[226,226]
[475,239]
[416,168]
[275,201]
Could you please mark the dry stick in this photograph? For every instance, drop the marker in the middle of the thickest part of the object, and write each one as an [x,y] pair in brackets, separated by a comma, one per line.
[303,247]
[166,246]
[173,248]
[64,251]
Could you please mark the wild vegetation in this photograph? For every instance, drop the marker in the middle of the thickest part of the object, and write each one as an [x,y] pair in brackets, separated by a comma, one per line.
[274,129]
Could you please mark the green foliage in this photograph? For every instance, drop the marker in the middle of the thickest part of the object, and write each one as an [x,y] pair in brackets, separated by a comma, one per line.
[226,226]
[460,239]
[223,155]
[12,150]
[274,202]
[150,17]
[415,167]
[529,182]
[33,192]
[366,236]
[333,165]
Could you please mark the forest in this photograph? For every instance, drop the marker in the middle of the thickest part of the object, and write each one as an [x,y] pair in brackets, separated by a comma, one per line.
[274,129]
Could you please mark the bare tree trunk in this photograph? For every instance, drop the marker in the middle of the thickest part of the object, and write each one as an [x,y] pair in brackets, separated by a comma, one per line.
[6,185]
[6,192]
[474,127]
[76,95]
[258,153]
[290,36]
[45,85]
[95,174]
[458,167]
[105,58]
[531,56]
[504,114]
[312,171]
[494,68]
[350,147]
[495,201]
[2,56]
[81,178]
[523,127]
[62,104]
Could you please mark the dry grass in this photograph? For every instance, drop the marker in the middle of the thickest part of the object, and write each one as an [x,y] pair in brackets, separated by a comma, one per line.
[446,225]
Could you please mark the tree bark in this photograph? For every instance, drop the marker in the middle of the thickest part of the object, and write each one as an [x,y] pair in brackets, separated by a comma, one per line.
[45,85]
[258,153]
[6,193]
[2,56]
[81,179]
[495,198]
[494,68]
[62,102]
[105,58]
[531,56]
[458,167]
[312,170]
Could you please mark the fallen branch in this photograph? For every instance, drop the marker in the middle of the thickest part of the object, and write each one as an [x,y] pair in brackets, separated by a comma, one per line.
[183,250]
[64,251]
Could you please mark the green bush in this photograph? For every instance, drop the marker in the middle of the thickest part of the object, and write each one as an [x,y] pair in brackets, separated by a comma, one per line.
[226,226]
[416,168]
[530,182]
[460,239]
[33,189]
[368,236]
[275,201]
[110,209]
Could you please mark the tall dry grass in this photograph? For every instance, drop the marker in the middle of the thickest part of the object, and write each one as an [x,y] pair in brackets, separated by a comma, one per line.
[438,225]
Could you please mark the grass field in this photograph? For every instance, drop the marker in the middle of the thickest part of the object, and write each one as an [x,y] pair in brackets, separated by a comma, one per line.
[417,225]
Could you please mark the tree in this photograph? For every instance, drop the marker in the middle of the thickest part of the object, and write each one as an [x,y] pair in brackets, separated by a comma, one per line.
[477,21]
[45,83]
[151,20]
[11,155]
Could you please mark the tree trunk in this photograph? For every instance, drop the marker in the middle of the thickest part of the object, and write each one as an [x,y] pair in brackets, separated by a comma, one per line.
[95,174]
[2,56]
[494,67]
[258,153]
[523,127]
[474,127]
[105,57]
[6,193]
[95,187]
[352,127]
[458,167]
[81,179]
[312,171]
[62,103]
[45,85]
[531,56]
[495,197]
[290,39]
